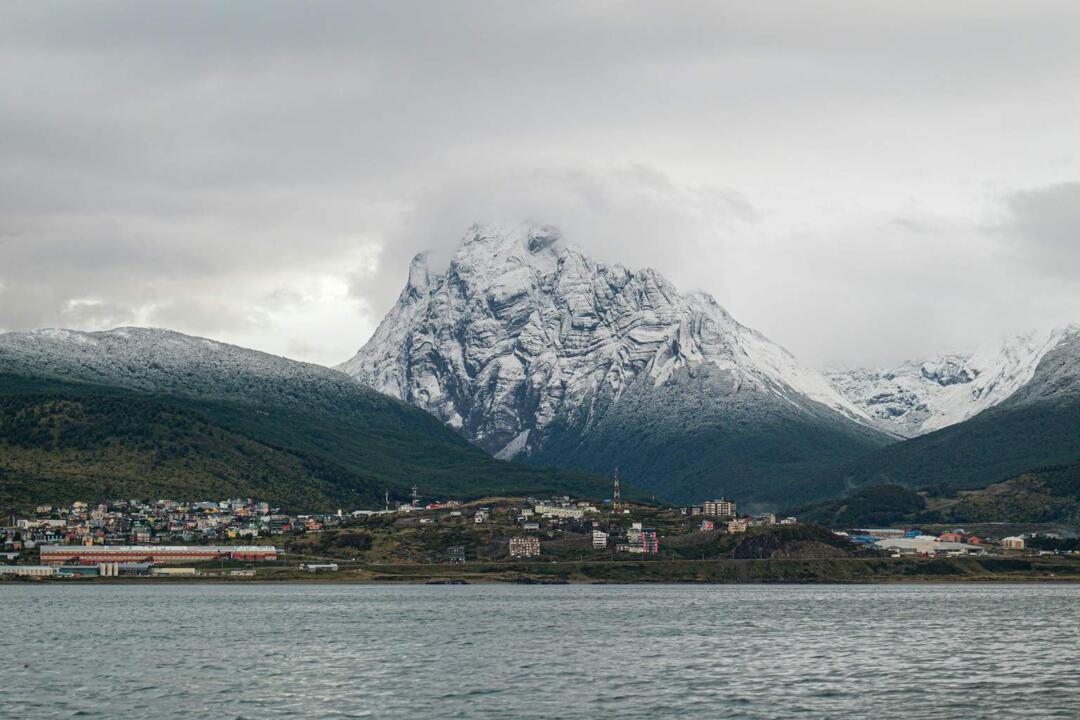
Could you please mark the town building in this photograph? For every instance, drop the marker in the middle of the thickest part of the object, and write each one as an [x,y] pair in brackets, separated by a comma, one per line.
[1013,543]
[650,541]
[738,525]
[524,546]
[720,508]
[455,555]
[599,540]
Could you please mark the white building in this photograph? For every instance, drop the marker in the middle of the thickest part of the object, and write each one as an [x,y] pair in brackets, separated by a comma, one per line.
[28,570]
[320,567]
[738,525]
[927,545]
[1013,542]
[560,512]
[599,540]
[524,546]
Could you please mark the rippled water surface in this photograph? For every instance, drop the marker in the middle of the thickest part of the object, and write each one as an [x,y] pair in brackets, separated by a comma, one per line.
[323,651]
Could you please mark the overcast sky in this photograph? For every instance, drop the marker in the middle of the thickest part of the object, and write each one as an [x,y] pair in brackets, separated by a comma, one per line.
[863,182]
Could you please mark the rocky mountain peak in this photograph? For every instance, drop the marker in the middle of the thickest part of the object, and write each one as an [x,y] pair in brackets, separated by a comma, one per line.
[524,329]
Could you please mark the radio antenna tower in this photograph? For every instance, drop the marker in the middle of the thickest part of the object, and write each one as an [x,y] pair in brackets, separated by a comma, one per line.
[415,496]
[386,500]
[615,495]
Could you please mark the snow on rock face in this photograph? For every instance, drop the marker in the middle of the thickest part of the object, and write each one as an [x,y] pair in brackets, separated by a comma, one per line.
[919,397]
[163,361]
[522,326]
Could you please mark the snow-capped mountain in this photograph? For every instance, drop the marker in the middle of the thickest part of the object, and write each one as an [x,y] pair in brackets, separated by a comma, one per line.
[1032,421]
[158,411]
[533,349]
[915,398]
[163,361]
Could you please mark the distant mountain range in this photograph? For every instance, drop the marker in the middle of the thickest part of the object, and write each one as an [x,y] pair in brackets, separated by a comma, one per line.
[523,348]
[1037,425]
[137,412]
[919,397]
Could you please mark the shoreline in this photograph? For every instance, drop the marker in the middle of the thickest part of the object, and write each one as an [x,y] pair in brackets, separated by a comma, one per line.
[795,571]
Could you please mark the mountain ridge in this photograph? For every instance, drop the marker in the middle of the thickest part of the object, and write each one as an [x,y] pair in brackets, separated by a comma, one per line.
[364,441]
[1037,425]
[918,397]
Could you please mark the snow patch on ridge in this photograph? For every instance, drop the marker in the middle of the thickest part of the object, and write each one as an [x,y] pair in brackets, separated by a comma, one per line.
[919,397]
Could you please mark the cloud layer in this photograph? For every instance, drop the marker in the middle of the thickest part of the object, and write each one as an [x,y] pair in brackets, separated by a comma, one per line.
[863,184]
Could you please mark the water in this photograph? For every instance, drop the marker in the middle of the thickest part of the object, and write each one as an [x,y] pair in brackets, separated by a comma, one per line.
[325,651]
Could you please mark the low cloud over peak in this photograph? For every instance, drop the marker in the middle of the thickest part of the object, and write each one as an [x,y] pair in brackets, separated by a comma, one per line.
[860,183]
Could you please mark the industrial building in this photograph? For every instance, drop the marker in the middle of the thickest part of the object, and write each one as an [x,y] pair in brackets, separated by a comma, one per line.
[27,570]
[155,554]
[926,545]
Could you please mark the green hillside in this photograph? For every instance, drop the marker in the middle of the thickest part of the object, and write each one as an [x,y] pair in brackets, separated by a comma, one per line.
[1039,426]
[690,439]
[63,441]
[990,447]
[1046,495]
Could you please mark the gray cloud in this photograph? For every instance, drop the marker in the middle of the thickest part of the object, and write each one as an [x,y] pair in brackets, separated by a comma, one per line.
[1045,223]
[836,174]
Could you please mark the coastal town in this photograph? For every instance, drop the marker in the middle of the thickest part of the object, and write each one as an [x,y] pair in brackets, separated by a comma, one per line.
[236,537]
